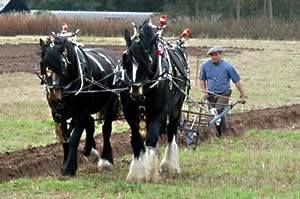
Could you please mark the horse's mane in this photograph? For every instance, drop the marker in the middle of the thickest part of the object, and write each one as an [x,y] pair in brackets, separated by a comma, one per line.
[52,54]
[147,31]
[142,44]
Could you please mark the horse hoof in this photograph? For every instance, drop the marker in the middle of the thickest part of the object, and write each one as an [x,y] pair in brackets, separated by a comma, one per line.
[169,168]
[93,157]
[136,171]
[144,168]
[104,164]
[170,162]
[64,177]
[67,175]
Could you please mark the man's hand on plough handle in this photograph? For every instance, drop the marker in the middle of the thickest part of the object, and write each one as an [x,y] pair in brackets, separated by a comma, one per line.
[234,103]
[242,99]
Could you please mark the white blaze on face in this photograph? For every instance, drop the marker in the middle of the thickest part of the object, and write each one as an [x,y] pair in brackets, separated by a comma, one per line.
[55,79]
[151,60]
[134,69]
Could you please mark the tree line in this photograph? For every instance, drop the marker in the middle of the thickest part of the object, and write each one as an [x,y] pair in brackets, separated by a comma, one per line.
[286,9]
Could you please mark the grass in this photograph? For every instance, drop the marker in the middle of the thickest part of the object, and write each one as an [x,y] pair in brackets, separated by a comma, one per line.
[18,134]
[84,39]
[261,164]
[25,124]
[24,113]
[22,122]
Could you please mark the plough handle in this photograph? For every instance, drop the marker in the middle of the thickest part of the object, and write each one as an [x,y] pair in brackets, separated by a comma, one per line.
[226,110]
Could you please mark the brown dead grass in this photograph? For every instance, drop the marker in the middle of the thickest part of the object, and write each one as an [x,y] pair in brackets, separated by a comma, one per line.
[253,28]
[20,87]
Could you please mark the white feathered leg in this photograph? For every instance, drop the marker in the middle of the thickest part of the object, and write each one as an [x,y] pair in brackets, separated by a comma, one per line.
[136,170]
[104,164]
[170,161]
[151,164]
[145,167]
[93,157]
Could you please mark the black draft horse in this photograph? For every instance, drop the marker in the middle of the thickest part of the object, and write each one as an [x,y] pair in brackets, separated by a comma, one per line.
[153,104]
[75,80]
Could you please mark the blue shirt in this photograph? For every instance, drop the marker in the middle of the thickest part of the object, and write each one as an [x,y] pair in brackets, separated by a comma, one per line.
[218,75]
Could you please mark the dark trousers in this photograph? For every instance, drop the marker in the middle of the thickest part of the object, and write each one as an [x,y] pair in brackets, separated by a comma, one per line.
[218,101]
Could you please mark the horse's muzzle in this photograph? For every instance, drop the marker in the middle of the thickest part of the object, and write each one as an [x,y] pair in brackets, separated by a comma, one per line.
[55,94]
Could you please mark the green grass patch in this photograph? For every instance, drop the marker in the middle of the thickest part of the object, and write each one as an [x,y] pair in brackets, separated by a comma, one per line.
[263,164]
[18,134]
[117,127]
[24,124]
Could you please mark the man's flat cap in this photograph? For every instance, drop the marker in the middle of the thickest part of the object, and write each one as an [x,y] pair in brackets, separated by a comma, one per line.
[215,50]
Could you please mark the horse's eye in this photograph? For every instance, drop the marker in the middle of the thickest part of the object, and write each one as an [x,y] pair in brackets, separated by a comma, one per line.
[49,72]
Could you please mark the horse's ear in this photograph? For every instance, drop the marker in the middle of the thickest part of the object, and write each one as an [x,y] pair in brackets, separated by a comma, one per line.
[147,21]
[43,45]
[127,38]
[63,46]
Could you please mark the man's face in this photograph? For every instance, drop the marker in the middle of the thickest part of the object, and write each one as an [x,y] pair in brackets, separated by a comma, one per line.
[216,57]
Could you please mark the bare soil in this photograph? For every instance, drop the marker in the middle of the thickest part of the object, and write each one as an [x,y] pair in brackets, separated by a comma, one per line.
[42,161]
[25,57]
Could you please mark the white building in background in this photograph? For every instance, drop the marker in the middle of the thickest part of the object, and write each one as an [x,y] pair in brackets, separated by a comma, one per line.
[133,16]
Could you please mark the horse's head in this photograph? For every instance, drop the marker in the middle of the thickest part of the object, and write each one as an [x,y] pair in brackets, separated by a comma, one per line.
[54,65]
[138,61]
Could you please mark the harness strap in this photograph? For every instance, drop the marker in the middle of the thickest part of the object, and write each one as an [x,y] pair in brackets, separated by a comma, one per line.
[79,65]
[105,58]
[178,59]
[101,55]
[95,61]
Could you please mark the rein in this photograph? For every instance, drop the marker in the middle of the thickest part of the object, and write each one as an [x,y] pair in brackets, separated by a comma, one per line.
[97,83]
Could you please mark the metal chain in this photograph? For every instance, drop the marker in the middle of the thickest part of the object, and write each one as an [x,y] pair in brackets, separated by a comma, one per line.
[201,107]
[115,91]
[97,83]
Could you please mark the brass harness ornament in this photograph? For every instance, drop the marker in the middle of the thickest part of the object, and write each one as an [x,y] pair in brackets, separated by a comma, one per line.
[142,123]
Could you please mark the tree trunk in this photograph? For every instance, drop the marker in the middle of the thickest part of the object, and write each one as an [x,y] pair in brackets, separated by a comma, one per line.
[291,4]
[265,7]
[197,8]
[257,8]
[271,11]
[232,8]
[238,10]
